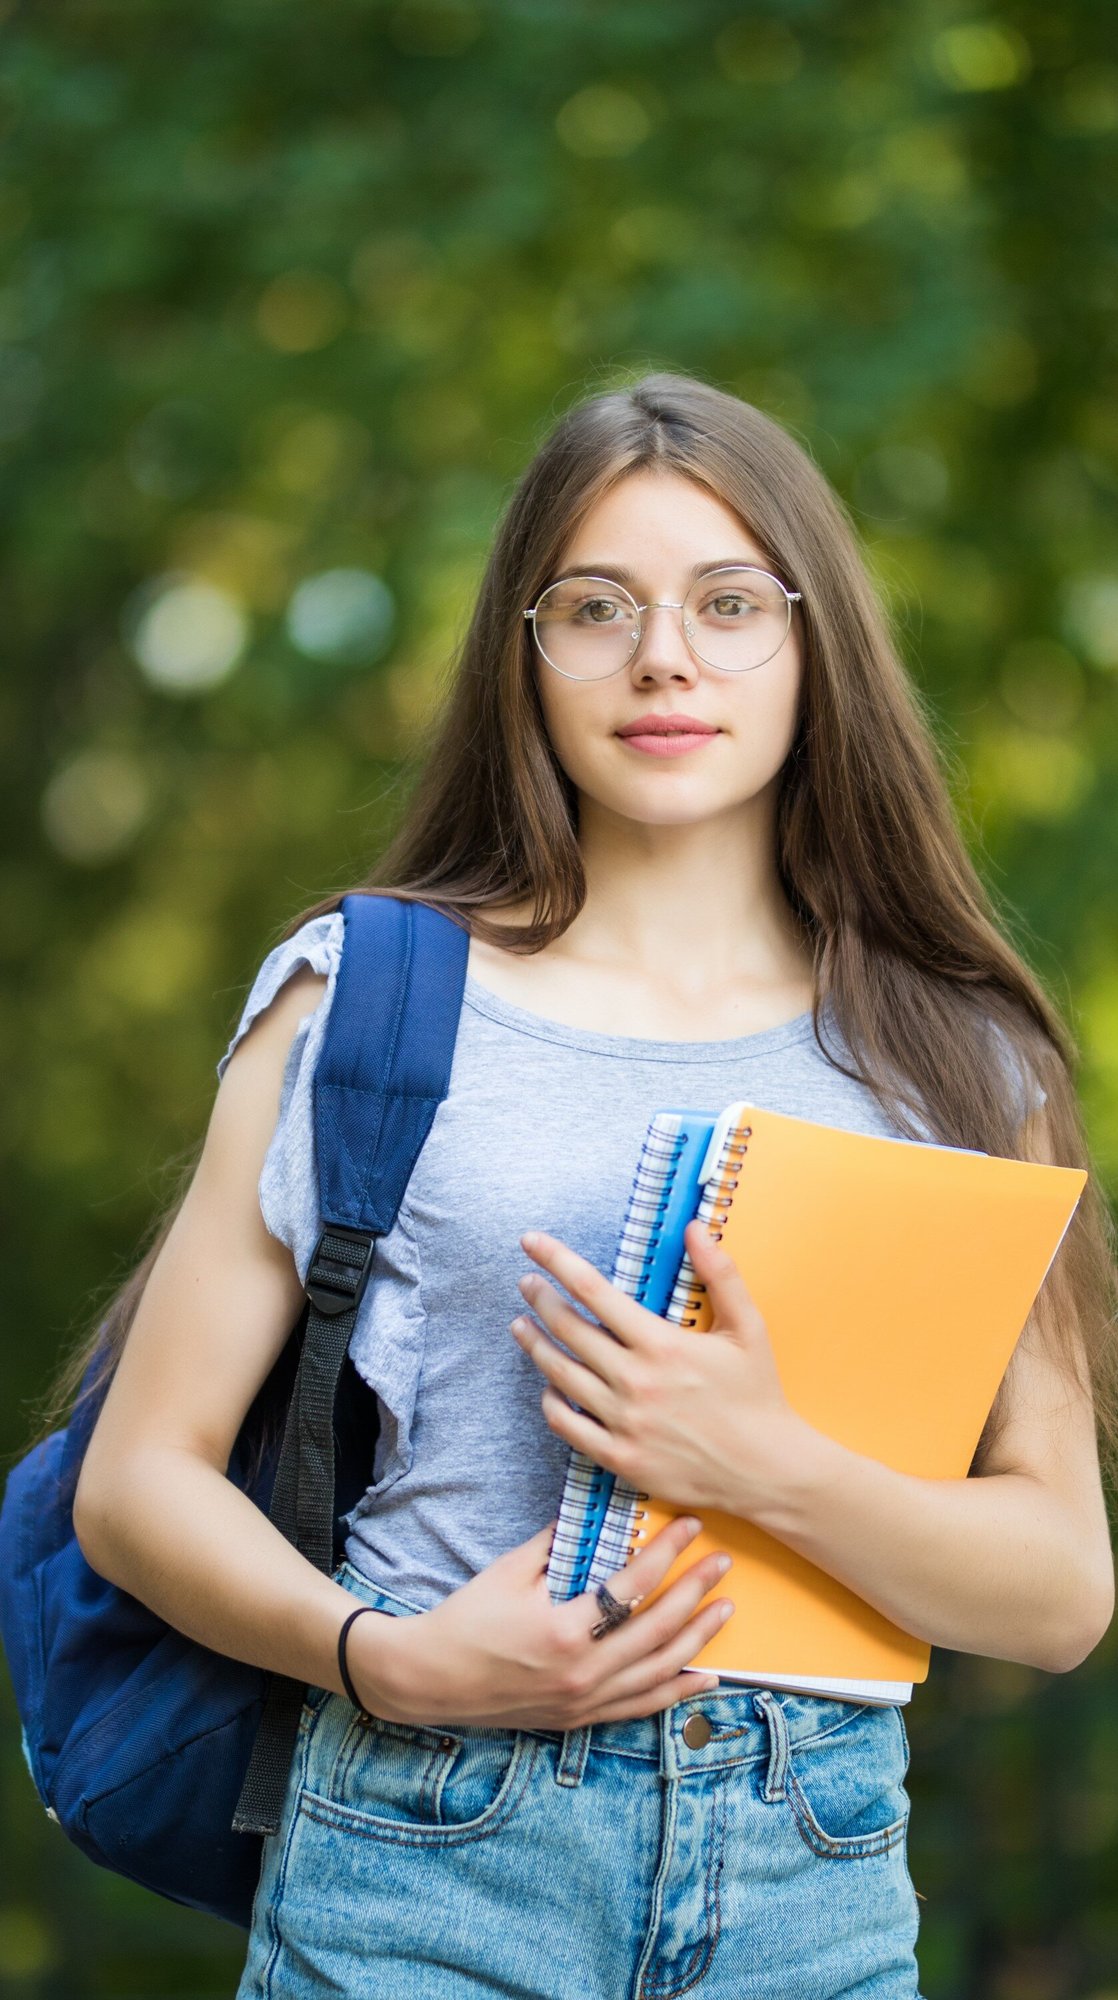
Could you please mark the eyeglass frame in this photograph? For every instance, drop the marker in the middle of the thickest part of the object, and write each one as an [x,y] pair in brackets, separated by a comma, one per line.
[668,604]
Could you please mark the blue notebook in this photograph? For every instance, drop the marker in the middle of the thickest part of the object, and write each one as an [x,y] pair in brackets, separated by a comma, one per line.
[662,1200]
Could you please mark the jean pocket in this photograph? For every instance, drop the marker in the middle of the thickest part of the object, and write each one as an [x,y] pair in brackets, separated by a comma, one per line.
[408,1782]
[845,1787]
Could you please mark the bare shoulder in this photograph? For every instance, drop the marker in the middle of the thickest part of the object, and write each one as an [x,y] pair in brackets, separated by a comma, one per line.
[273,1028]
[249,1090]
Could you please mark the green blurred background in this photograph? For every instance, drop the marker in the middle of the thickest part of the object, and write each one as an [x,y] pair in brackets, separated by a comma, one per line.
[289,296]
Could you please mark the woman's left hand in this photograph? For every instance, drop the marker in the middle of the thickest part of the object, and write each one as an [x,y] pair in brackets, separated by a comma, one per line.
[698,1419]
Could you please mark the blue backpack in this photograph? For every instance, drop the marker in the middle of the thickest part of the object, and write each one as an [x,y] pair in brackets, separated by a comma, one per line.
[161,1759]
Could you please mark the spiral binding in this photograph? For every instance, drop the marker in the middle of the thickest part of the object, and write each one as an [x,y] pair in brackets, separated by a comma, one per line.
[589,1487]
[649,1201]
[688,1292]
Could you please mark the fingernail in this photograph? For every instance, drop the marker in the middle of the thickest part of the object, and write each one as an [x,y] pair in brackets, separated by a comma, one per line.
[529,1240]
[691,1524]
[722,1564]
[725,1611]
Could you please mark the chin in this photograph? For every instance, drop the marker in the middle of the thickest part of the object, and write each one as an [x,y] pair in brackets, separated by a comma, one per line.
[684,810]
[665,794]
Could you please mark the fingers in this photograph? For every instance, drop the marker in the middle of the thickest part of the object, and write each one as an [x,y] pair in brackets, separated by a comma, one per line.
[733,1302]
[644,1572]
[651,1646]
[589,1389]
[639,1577]
[590,1288]
[639,1666]
[651,1564]
[648,1630]
[655,1680]
[592,1344]
[651,1673]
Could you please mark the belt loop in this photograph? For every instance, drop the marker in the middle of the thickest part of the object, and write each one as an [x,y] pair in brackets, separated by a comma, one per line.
[772,1710]
[573,1755]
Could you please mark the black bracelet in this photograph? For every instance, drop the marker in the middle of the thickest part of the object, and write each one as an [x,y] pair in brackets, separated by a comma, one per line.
[342,1668]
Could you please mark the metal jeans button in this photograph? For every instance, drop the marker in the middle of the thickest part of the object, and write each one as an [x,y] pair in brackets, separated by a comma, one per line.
[697,1732]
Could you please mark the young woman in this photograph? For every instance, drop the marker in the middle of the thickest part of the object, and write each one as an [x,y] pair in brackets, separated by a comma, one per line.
[687,803]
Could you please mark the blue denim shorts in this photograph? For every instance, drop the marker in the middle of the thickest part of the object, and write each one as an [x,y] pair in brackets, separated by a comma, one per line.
[758,1853]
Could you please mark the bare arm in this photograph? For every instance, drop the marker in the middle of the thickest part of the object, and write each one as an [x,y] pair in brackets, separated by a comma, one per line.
[1013,1562]
[156,1514]
[154,1511]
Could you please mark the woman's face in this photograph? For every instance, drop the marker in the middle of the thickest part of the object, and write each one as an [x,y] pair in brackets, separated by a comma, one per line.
[657,527]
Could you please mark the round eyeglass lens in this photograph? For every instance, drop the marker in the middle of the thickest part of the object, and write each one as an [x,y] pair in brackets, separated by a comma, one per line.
[587,628]
[734,619]
[737,618]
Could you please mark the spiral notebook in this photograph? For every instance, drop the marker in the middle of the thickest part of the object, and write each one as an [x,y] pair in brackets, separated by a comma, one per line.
[594,1521]
[895,1278]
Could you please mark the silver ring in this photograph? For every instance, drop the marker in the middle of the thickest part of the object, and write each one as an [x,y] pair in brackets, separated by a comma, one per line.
[614,1613]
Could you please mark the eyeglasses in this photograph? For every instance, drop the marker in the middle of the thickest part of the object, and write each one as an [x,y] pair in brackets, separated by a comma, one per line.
[735,618]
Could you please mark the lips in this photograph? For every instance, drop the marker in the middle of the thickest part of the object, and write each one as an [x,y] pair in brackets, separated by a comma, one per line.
[667,735]
[668,725]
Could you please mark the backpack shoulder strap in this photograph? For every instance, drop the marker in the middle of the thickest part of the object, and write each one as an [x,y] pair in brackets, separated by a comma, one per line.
[385,1061]
[383,1070]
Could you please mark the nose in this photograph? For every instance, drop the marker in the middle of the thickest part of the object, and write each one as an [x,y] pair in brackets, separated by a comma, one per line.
[663,652]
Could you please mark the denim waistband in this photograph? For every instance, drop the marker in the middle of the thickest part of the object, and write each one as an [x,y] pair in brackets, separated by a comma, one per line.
[746,1724]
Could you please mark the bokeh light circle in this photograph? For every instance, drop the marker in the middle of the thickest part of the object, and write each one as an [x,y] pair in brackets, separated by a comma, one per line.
[186,634]
[94,804]
[343,616]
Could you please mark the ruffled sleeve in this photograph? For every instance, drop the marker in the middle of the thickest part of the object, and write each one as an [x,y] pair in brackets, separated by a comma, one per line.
[288,1180]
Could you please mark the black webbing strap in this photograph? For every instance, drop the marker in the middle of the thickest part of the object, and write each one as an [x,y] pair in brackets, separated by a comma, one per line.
[303,1496]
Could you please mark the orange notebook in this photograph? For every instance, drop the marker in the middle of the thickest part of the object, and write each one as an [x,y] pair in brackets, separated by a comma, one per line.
[894,1278]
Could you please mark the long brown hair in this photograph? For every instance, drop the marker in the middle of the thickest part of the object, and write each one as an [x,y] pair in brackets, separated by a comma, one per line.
[908,948]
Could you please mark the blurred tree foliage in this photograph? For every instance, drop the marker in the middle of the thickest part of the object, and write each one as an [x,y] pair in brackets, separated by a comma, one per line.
[289,295]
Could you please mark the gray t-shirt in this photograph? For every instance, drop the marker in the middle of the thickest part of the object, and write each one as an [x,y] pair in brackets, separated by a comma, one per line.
[541,1128]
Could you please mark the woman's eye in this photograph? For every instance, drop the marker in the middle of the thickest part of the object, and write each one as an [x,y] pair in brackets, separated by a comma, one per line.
[731,604]
[601,609]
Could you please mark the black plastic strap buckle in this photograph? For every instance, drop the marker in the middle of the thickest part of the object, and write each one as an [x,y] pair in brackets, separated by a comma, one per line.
[335,1285]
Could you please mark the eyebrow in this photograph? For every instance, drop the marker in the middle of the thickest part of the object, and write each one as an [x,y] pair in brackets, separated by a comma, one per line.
[618,573]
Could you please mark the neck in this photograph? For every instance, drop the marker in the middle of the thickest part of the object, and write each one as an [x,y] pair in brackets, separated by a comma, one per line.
[697,906]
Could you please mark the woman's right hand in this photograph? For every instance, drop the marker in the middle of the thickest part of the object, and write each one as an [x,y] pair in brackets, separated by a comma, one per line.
[499,1651]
